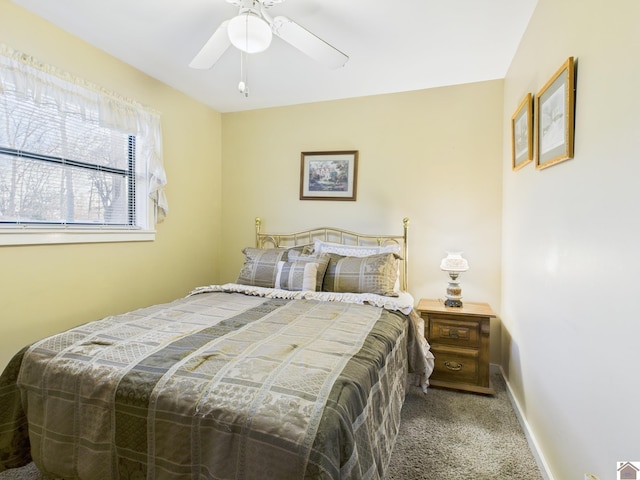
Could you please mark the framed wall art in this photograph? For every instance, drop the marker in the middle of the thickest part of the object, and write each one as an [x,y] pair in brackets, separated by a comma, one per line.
[329,175]
[522,134]
[554,113]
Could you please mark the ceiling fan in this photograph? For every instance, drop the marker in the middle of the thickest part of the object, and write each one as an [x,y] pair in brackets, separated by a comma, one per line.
[251,32]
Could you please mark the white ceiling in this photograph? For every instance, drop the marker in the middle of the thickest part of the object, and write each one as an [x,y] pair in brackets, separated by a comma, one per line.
[393,45]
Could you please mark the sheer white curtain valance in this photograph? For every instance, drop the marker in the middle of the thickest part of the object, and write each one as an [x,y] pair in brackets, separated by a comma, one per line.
[25,76]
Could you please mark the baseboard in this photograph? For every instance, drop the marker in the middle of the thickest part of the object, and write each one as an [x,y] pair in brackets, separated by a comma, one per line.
[533,444]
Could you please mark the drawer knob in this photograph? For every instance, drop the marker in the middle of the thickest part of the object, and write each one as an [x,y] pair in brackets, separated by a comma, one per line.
[455,366]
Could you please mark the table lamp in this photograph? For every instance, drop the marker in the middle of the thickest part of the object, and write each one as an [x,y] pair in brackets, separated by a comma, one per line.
[454,264]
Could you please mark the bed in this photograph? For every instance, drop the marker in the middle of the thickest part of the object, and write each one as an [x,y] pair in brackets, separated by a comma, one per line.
[297,370]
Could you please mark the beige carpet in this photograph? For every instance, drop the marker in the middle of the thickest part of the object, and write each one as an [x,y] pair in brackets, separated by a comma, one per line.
[444,435]
[447,435]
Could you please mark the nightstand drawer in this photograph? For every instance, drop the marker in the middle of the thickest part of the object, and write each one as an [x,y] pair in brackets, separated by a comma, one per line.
[455,365]
[449,331]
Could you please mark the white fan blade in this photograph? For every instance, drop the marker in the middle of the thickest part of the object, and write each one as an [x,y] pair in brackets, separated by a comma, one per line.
[307,42]
[213,49]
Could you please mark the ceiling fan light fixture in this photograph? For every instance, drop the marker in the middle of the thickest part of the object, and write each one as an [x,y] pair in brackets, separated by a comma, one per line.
[249,33]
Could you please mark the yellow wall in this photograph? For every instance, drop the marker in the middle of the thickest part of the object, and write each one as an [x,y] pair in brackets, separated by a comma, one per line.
[45,289]
[431,155]
[571,235]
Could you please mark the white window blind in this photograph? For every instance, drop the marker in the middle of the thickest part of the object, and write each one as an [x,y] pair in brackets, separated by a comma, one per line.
[73,154]
[57,168]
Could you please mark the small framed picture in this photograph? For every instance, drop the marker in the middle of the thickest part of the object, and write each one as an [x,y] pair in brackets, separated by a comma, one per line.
[554,112]
[522,134]
[329,175]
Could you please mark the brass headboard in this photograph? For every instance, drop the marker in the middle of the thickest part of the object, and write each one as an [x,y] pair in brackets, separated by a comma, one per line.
[338,235]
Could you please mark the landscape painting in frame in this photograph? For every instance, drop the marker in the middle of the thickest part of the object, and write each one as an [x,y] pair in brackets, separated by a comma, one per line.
[554,111]
[329,175]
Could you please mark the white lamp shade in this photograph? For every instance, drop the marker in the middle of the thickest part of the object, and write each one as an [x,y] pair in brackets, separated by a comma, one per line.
[249,33]
[454,262]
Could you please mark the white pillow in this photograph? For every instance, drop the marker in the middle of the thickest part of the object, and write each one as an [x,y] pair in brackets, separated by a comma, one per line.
[354,250]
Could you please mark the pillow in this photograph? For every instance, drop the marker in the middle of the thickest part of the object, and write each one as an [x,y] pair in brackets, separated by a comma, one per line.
[354,250]
[260,266]
[373,274]
[300,250]
[361,251]
[296,275]
[321,260]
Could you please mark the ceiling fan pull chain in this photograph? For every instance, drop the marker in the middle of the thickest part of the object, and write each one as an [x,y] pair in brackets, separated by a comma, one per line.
[243,86]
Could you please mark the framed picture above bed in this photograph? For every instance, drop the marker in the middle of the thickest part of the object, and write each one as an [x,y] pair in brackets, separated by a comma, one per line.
[522,134]
[554,112]
[329,175]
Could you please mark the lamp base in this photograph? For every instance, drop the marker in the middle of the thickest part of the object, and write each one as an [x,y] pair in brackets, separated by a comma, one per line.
[454,292]
[452,303]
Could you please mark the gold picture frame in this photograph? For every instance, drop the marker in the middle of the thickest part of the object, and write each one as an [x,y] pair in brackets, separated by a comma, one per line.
[522,134]
[329,175]
[555,117]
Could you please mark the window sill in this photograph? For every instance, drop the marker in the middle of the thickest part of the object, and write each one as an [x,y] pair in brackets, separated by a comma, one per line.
[43,236]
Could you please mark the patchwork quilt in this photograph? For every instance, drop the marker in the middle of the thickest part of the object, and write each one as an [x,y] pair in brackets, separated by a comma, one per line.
[216,385]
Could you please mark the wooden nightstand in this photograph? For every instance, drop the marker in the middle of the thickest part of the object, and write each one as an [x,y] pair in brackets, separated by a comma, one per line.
[459,339]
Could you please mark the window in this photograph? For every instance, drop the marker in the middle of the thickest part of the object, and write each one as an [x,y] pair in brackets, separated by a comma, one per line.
[61,170]
[76,163]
